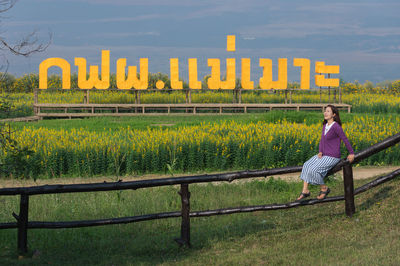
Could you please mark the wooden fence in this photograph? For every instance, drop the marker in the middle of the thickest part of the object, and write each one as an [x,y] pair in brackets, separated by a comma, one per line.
[90,110]
[23,223]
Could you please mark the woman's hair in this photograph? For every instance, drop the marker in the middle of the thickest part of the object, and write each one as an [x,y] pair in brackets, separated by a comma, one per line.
[336,117]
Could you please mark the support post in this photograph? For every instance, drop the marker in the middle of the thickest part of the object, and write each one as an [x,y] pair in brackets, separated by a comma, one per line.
[329,94]
[136,100]
[334,95]
[286,96]
[35,100]
[189,96]
[87,96]
[348,190]
[187,100]
[184,240]
[23,225]
[320,95]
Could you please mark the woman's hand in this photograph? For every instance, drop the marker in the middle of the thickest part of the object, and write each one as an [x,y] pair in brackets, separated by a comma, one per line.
[320,155]
[350,157]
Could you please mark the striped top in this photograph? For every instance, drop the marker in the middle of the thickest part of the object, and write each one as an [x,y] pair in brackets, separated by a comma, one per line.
[330,143]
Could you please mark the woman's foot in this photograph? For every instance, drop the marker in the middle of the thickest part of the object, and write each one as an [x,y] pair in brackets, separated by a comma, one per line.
[303,195]
[323,193]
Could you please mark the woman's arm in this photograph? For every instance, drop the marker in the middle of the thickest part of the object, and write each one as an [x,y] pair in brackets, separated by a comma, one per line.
[320,143]
[343,137]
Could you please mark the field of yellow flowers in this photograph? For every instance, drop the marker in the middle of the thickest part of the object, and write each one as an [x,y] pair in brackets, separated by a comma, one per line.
[208,146]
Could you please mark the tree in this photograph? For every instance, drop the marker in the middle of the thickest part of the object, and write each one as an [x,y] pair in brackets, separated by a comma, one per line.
[28,45]
[15,159]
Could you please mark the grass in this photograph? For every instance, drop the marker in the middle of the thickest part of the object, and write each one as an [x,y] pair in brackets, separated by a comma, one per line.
[319,234]
[178,121]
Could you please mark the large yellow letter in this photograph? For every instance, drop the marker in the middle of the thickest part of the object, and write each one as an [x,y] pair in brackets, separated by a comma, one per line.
[94,81]
[230,82]
[61,63]
[132,80]
[320,80]
[247,84]
[214,82]
[304,73]
[174,68]
[266,82]
[230,43]
[194,84]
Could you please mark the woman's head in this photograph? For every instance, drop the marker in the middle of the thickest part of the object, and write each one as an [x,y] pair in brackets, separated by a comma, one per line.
[331,112]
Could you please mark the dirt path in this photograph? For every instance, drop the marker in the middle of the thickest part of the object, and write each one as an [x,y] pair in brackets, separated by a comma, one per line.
[362,172]
[21,119]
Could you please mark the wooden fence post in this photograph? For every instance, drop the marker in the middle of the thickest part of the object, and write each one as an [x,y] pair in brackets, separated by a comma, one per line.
[136,100]
[87,96]
[286,96]
[184,240]
[35,100]
[23,225]
[334,95]
[320,95]
[348,190]
[329,94]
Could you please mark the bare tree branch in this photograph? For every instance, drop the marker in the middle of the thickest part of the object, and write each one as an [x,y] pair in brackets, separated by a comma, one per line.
[27,46]
[6,5]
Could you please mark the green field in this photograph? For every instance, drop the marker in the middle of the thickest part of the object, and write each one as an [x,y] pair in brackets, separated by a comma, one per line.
[319,234]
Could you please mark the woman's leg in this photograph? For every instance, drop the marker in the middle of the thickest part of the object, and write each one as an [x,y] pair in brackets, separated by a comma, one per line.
[305,190]
[305,187]
[324,188]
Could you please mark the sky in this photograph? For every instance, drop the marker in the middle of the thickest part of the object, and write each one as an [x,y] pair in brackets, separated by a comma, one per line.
[362,37]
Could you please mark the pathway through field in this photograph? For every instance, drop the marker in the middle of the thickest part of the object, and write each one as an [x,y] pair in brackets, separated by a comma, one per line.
[361,172]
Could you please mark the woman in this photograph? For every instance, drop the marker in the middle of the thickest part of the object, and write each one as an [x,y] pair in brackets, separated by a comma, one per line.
[316,168]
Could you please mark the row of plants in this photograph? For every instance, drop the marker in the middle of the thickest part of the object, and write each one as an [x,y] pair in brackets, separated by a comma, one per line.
[205,147]
[22,103]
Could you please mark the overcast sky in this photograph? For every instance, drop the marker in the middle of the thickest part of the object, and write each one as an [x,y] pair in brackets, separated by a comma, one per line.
[363,37]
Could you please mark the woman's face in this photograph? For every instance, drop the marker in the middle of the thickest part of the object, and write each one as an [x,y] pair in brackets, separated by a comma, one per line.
[328,114]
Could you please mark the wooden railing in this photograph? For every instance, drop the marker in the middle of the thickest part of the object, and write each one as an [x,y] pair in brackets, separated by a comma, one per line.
[23,223]
[88,110]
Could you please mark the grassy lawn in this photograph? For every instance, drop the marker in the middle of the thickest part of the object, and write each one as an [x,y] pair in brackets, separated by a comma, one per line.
[319,234]
[176,121]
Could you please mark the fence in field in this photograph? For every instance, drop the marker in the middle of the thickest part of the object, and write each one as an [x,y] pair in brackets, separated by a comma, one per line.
[23,223]
[87,109]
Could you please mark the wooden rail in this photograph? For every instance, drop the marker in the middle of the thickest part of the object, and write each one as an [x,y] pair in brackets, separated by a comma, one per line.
[23,223]
[88,110]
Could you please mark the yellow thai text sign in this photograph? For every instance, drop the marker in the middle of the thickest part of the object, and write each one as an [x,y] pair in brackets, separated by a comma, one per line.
[131,79]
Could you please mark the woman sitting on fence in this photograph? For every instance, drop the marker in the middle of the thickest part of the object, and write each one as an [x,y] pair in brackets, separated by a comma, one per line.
[316,168]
